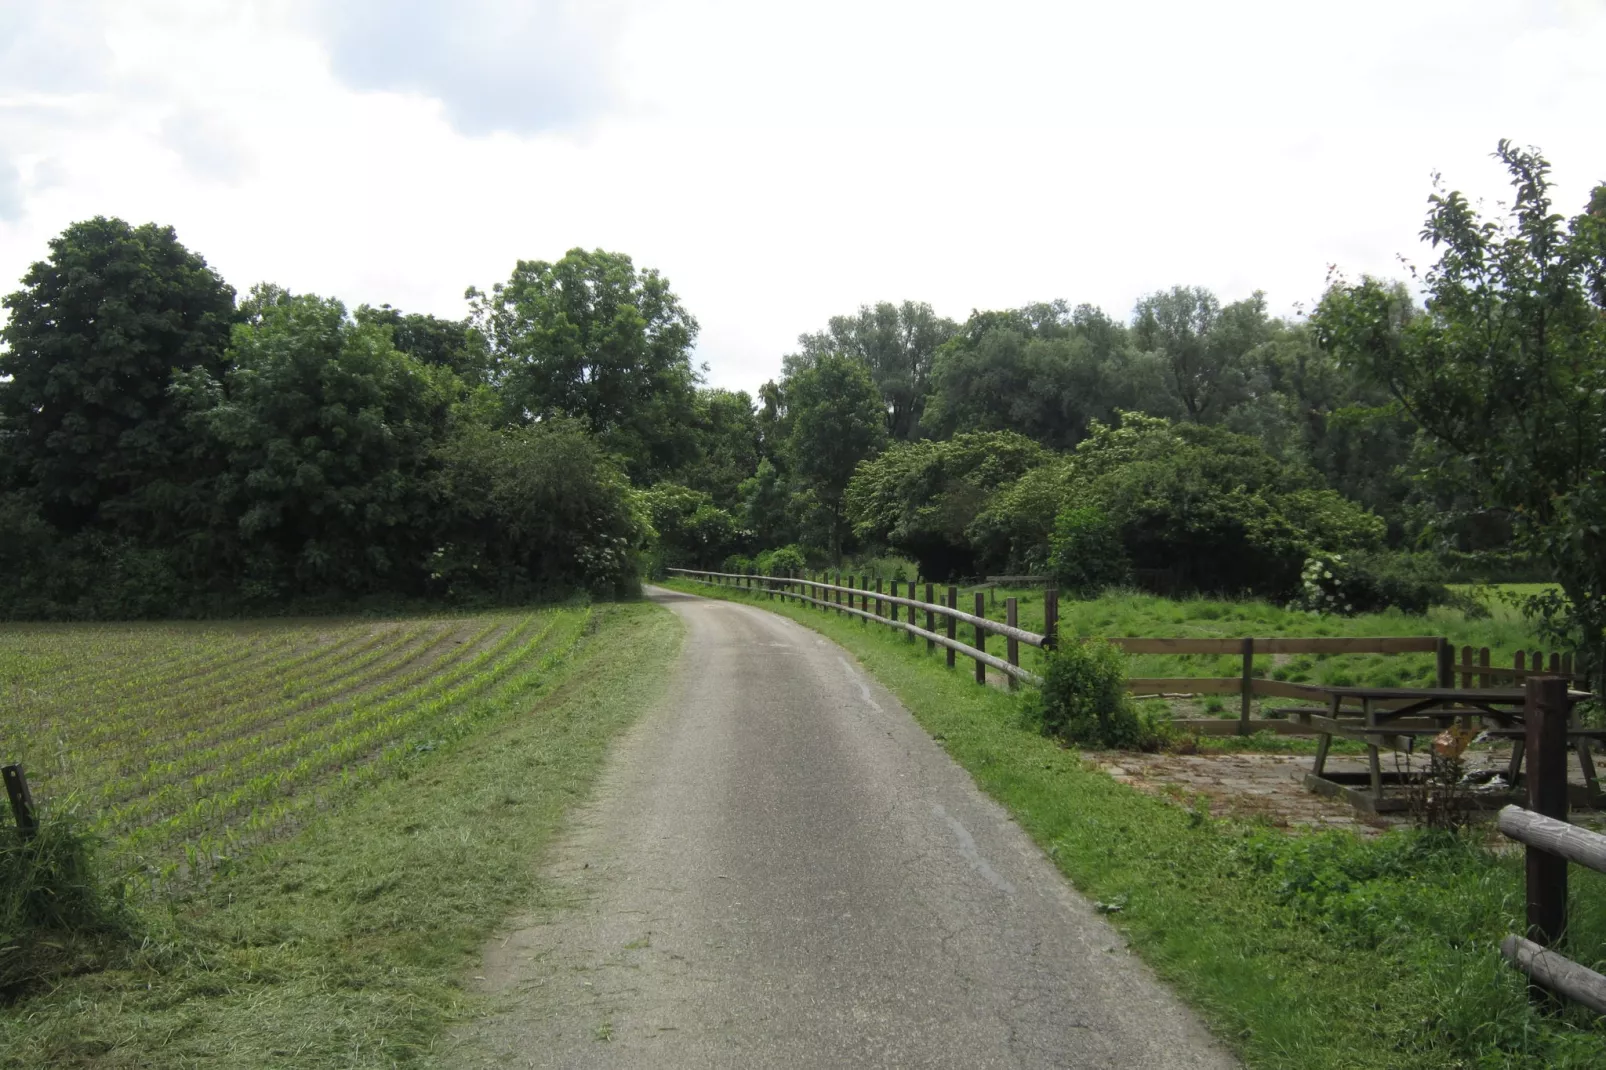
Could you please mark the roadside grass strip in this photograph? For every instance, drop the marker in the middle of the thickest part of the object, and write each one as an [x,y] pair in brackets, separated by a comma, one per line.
[344,940]
[1312,951]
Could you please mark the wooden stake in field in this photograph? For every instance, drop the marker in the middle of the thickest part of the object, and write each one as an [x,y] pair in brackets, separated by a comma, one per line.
[22,807]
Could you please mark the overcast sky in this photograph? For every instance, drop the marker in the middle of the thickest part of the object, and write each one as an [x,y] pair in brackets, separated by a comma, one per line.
[782,163]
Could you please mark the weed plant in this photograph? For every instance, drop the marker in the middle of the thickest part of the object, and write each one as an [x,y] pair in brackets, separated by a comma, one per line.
[56,911]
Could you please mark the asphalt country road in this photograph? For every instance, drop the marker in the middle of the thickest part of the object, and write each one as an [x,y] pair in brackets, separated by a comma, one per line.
[781,869]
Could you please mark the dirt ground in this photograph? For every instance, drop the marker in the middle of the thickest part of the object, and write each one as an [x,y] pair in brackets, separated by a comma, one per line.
[1270,787]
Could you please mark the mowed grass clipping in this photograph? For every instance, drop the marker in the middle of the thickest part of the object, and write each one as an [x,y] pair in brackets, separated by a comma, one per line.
[343,943]
[181,744]
[1303,952]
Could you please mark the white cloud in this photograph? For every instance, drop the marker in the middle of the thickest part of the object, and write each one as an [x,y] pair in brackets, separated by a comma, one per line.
[782,165]
[208,145]
[524,66]
[10,192]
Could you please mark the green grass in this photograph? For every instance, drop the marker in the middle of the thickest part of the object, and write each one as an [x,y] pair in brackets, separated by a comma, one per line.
[1316,952]
[341,941]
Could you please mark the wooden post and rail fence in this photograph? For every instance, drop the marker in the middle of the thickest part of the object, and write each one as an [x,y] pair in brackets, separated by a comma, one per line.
[858,599]
[1471,669]
[1551,844]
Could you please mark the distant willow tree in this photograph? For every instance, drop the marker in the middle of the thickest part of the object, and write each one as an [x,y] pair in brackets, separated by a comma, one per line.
[897,343]
[1204,344]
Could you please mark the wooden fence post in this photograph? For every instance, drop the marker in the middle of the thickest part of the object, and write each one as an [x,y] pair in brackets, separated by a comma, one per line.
[837,595]
[931,621]
[1545,719]
[1248,686]
[1011,644]
[1446,665]
[878,596]
[981,638]
[22,807]
[1051,618]
[912,597]
[953,625]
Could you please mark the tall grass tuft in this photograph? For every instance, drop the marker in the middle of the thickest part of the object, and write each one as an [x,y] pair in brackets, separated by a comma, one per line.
[57,913]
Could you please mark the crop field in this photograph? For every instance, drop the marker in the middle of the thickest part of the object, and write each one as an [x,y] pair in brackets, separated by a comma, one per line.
[181,743]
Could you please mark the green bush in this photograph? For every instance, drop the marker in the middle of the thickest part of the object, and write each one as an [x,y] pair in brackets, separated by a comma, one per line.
[1083,700]
[740,564]
[1347,584]
[787,561]
[1086,555]
[56,914]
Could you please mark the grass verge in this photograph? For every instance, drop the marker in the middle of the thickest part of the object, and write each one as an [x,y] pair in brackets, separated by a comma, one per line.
[343,945]
[1317,952]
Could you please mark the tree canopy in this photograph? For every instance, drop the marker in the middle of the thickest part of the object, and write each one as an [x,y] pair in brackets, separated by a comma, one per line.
[85,416]
[165,448]
[1504,368]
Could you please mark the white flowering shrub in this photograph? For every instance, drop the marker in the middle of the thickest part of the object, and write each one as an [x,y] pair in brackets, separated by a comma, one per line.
[1341,585]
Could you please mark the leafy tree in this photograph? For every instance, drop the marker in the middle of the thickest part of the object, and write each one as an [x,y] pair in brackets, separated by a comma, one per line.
[896,342]
[728,446]
[536,510]
[1011,533]
[454,344]
[1204,344]
[1086,555]
[767,507]
[328,436]
[94,337]
[1505,368]
[919,497]
[1041,371]
[692,531]
[837,421]
[590,337]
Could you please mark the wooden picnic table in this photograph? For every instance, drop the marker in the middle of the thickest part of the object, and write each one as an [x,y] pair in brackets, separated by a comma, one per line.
[1394,717]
